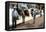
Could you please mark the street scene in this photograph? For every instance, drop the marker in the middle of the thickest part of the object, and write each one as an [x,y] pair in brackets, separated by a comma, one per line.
[24,15]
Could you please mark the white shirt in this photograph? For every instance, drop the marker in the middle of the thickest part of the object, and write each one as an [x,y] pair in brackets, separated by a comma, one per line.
[15,13]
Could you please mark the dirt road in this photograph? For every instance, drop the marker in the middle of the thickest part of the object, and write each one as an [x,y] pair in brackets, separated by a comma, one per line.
[29,24]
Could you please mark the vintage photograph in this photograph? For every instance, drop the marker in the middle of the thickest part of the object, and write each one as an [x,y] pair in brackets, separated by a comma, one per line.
[24,15]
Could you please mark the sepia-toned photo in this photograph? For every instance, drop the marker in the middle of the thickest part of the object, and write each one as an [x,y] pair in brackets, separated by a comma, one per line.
[24,15]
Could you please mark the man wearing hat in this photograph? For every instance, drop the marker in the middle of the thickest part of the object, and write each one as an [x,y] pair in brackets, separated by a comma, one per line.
[14,16]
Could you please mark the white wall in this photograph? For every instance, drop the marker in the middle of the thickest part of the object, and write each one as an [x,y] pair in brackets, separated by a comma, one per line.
[2,16]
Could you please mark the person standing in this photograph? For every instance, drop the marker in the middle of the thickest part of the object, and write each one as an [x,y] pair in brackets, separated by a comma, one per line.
[14,17]
[33,13]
